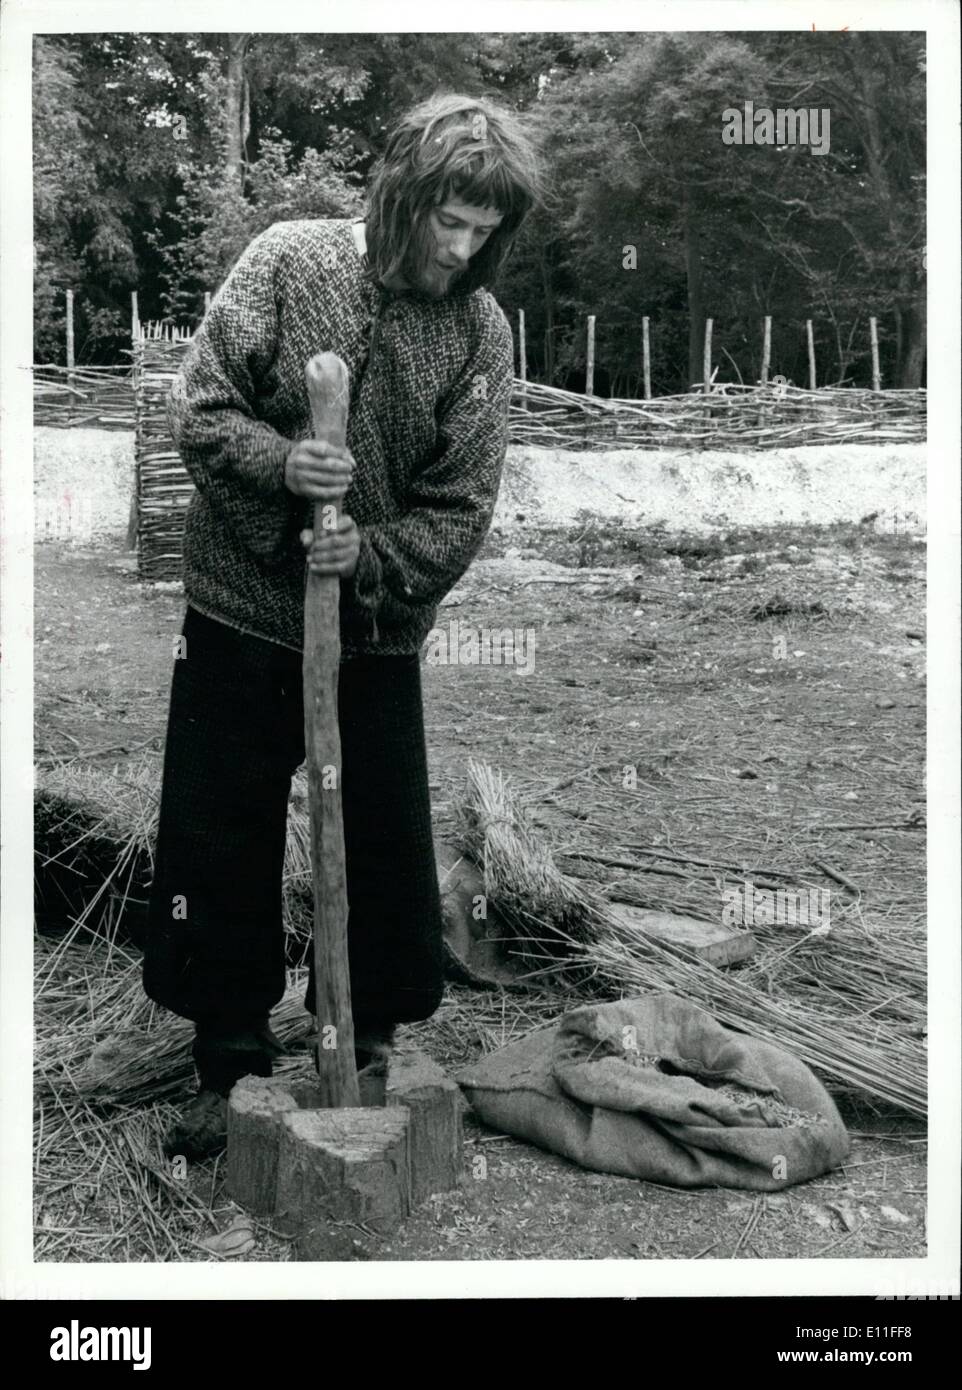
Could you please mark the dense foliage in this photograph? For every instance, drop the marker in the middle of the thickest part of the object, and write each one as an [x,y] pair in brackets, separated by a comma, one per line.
[158,156]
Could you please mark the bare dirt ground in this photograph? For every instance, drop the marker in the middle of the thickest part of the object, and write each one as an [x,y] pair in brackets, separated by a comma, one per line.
[650,652]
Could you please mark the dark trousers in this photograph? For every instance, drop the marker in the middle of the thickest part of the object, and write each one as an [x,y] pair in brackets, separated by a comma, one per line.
[235,736]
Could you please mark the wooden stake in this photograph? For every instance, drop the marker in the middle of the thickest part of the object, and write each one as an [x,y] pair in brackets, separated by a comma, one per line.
[811,354]
[706,360]
[206,302]
[876,374]
[134,316]
[646,357]
[766,349]
[327,388]
[70,356]
[590,370]
[522,360]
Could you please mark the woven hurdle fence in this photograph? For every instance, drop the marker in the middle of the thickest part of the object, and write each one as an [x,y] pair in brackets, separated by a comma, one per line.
[162,485]
[98,398]
[728,416]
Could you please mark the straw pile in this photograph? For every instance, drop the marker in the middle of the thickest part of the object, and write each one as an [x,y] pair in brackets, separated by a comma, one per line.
[851,1004]
[111,1075]
[93,839]
[109,1072]
[109,1066]
[103,1189]
[94,831]
[101,1039]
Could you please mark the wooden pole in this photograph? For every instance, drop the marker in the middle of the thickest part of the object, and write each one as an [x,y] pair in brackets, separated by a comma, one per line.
[70,353]
[206,303]
[327,389]
[811,355]
[766,349]
[706,360]
[590,370]
[136,381]
[522,360]
[646,357]
[876,374]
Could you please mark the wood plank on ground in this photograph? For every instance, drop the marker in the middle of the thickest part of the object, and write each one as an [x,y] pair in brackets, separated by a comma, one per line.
[710,941]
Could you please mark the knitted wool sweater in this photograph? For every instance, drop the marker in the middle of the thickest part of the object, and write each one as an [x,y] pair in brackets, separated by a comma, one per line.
[430,385]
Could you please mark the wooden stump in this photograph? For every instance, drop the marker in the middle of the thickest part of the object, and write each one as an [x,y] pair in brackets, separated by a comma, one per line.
[342,1175]
[434,1102]
[254,1114]
[337,1180]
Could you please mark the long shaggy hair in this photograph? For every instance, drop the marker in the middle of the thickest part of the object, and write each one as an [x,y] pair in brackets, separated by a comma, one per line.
[450,146]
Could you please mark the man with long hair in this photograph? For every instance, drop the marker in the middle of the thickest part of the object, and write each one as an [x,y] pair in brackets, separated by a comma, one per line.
[402,297]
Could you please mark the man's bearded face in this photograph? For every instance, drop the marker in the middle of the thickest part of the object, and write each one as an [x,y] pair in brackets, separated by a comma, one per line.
[455,232]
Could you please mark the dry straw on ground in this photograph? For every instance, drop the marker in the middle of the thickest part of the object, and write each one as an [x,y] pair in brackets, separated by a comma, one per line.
[850,1003]
[109,1066]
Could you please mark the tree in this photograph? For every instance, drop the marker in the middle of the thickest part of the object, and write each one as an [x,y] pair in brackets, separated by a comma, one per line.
[159,156]
[237,107]
[852,222]
[733,232]
[215,219]
[106,147]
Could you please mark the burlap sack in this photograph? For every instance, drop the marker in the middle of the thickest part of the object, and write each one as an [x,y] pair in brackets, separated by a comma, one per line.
[655,1088]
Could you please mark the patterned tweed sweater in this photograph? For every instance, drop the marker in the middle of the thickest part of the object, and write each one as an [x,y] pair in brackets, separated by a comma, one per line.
[428,423]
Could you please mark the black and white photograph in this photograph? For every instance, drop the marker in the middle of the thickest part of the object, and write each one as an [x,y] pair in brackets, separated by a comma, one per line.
[480,654]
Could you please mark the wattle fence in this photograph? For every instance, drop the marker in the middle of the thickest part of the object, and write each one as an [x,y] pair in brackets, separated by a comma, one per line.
[726,416]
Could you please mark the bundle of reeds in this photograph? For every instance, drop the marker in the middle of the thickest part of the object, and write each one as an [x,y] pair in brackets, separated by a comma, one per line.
[520,875]
[827,1008]
[93,845]
[94,832]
